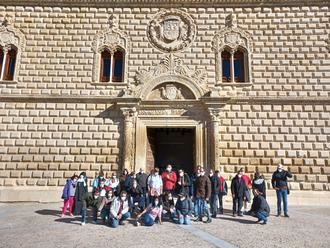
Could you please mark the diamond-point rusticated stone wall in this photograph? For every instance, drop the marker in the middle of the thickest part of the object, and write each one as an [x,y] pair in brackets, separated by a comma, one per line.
[55,121]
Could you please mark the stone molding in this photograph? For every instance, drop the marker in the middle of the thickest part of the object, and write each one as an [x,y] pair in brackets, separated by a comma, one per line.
[163,3]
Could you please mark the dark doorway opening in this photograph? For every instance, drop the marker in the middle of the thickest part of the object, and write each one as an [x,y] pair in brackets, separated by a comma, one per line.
[173,146]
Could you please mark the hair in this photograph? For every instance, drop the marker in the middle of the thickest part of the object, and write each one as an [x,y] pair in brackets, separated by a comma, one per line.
[123,193]
[101,173]
[156,169]
[74,176]
[159,201]
[125,170]
[82,174]
[217,172]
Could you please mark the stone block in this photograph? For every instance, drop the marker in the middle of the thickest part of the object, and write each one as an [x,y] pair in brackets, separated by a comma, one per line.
[306,186]
[37,174]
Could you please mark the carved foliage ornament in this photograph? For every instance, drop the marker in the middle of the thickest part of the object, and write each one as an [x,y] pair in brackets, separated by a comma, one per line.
[171,30]
[170,65]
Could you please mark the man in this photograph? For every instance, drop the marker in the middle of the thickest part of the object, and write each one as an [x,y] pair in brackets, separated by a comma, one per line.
[119,210]
[169,179]
[93,200]
[222,191]
[202,195]
[238,188]
[280,184]
[215,189]
[184,207]
[261,207]
[142,180]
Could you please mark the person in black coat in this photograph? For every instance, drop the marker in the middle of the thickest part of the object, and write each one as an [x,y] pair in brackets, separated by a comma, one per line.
[280,184]
[262,209]
[142,179]
[238,188]
[136,197]
[81,190]
[258,183]
[183,182]
[215,189]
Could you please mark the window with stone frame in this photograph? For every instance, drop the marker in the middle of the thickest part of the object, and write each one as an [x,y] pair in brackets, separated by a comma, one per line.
[110,48]
[8,64]
[232,47]
[112,66]
[12,43]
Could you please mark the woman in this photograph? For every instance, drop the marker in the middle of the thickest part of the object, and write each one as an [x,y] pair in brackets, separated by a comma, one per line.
[123,180]
[108,199]
[151,213]
[81,190]
[259,184]
[182,185]
[68,194]
[155,183]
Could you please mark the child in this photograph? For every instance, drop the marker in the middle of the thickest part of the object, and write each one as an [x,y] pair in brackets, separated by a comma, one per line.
[68,194]
[108,199]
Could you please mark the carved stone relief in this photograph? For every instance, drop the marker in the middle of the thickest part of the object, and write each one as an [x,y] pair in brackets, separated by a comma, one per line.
[169,70]
[170,91]
[328,43]
[171,30]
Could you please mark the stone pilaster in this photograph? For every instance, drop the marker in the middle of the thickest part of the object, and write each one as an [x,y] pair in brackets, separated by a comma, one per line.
[214,137]
[129,131]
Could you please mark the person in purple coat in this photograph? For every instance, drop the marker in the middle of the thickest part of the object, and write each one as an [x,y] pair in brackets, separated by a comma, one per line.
[68,194]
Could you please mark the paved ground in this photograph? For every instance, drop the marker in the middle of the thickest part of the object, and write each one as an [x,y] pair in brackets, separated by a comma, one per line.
[40,225]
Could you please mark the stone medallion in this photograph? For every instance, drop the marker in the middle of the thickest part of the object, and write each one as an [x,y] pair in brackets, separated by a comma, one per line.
[171,30]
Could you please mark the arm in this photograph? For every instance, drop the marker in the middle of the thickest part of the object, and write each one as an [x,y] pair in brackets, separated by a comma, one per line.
[172,177]
[113,209]
[160,214]
[273,181]
[288,174]
[208,188]
[143,212]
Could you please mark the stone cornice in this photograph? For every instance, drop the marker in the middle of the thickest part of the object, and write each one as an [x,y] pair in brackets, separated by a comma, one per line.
[164,3]
[132,101]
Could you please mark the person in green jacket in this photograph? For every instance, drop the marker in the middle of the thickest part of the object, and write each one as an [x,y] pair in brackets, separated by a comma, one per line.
[95,201]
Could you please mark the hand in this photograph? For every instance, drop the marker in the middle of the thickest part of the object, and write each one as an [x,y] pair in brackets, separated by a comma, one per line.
[179,183]
[119,216]
[276,188]
[98,213]
[180,216]
[207,199]
[168,176]
[233,195]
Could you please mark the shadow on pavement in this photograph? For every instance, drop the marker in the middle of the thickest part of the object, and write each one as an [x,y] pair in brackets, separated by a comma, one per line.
[239,219]
[49,212]
[73,220]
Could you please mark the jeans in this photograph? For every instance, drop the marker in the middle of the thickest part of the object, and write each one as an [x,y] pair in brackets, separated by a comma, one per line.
[201,207]
[237,205]
[68,202]
[220,196]
[262,215]
[105,214]
[115,222]
[214,204]
[282,194]
[84,216]
[147,220]
[184,219]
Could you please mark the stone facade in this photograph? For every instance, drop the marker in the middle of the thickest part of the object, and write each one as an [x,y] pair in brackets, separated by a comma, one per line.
[57,119]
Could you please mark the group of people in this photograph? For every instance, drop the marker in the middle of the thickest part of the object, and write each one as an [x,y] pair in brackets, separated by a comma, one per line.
[172,196]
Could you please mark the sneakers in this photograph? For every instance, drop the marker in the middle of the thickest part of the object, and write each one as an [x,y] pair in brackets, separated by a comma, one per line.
[94,222]
[121,223]
[264,222]
[63,215]
[286,215]
[258,221]
[278,215]
[83,223]
[209,220]
[71,215]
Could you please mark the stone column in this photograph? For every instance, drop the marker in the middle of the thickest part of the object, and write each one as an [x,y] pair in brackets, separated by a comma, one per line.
[128,141]
[232,66]
[218,69]
[214,137]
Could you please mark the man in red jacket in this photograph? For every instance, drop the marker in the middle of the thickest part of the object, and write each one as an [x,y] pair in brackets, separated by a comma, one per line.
[169,180]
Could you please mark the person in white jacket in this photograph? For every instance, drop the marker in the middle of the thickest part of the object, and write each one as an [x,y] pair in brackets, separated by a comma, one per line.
[119,210]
